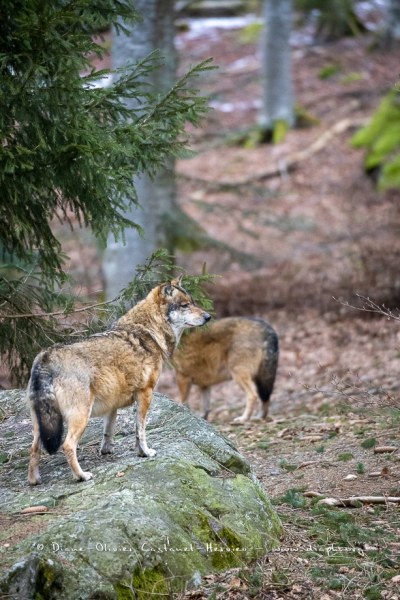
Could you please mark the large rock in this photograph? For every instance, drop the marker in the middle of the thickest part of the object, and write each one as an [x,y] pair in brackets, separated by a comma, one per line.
[142,524]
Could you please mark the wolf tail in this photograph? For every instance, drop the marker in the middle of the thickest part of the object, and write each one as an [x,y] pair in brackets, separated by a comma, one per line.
[265,377]
[43,400]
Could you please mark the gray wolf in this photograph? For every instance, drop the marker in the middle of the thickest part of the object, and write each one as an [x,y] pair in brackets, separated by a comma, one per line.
[104,372]
[243,349]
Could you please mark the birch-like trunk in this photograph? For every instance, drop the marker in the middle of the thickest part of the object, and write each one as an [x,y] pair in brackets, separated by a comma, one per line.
[392,22]
[277,101]
[156,196]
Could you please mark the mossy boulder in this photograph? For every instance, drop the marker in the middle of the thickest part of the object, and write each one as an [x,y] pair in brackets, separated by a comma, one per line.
[143,525]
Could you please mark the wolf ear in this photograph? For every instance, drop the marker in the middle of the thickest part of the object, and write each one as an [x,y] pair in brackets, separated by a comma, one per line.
[167,289]
[178,281]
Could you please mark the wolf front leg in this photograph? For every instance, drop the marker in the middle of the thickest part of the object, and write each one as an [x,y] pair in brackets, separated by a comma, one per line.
[184,385]
[143,398]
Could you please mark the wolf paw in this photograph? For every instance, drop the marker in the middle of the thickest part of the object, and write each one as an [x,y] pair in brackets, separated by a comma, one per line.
[239,421]
[34,481]
[107,448]
[85,476]
[149,452]
[257,417]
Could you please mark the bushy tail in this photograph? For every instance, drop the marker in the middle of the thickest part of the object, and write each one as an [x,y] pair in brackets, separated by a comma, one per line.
[43,401]
[265,377]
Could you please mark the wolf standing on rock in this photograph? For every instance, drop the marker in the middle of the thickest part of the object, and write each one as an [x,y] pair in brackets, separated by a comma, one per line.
[106,371]
[243,349]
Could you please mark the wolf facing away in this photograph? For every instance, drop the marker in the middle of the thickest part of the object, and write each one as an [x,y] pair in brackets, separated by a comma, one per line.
[104,372]
[243,349]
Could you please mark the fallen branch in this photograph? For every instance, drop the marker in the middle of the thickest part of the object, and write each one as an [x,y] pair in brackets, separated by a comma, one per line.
[384,449]
[385,472]
[313,438]
[355,501]
[286,164]
[290,162]
[307,463]
[312,494]
[34,510]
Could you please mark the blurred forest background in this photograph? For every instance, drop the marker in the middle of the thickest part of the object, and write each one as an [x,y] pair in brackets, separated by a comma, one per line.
[297,214]
[299,228]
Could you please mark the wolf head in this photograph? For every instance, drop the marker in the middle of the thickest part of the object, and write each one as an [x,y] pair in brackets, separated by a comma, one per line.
[181,311]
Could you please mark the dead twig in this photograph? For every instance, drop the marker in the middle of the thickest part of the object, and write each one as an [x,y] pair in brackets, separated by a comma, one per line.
[354,392]
[370,306]
[308,463]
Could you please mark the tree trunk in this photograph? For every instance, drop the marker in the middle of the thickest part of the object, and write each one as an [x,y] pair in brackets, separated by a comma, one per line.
[392,23]
[277,105]
[156,195]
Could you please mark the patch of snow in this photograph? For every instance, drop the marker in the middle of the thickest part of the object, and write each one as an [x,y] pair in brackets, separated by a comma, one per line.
[201,27]
[245,63]
[229,107]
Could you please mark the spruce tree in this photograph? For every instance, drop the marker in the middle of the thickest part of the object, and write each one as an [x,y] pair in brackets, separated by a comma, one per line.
[69,149]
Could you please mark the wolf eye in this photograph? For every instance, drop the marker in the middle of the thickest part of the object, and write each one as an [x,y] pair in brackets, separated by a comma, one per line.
[185,305]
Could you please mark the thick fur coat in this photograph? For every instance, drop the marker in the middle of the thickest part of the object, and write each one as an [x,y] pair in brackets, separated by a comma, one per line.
[107,371]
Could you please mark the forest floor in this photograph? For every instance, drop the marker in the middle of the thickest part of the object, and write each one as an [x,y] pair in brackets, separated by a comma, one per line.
[305,241]
[293,245]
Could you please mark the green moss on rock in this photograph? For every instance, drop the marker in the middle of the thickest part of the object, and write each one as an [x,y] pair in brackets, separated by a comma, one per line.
[154,530]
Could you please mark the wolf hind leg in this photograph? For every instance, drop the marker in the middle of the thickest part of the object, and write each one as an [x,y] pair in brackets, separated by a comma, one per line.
[77,421]
[263,414]
[206,396]
[33,469]
[108,433]
[245,382]
[143,402]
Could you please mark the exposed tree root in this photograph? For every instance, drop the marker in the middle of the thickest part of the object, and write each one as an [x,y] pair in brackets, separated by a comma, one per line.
[187,235]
